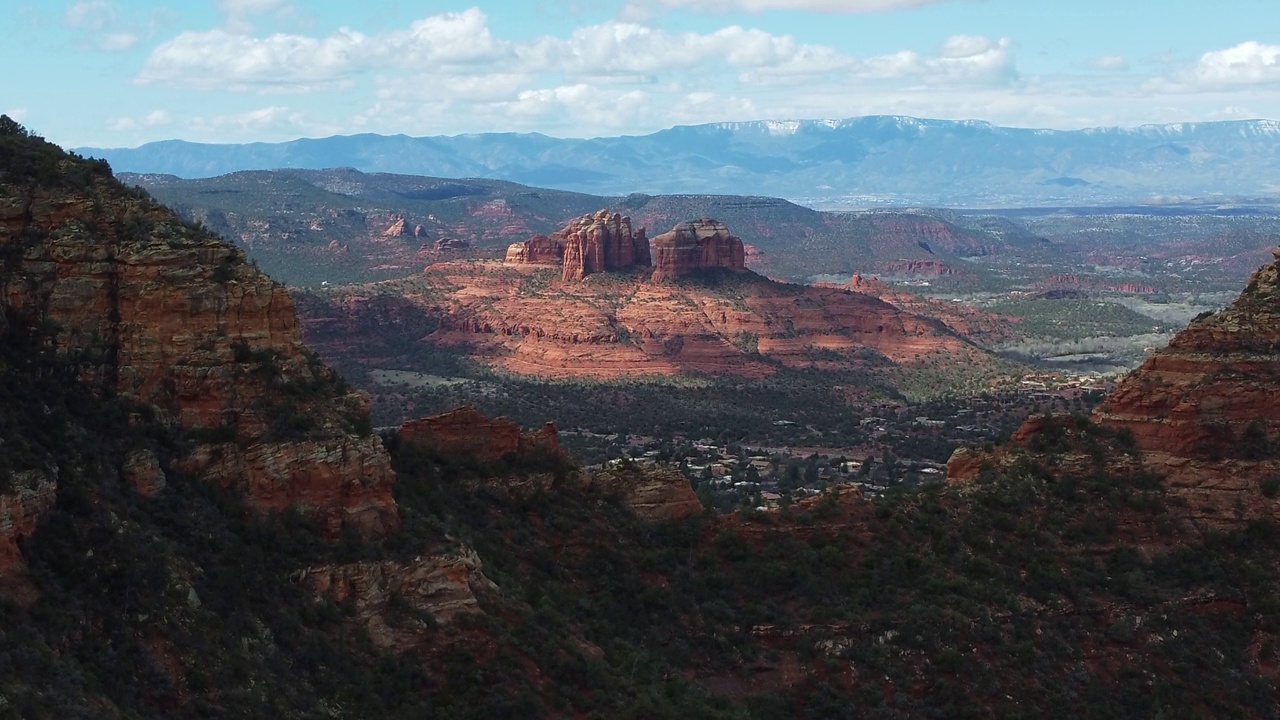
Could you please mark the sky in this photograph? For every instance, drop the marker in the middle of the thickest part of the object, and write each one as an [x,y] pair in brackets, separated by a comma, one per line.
[119,73]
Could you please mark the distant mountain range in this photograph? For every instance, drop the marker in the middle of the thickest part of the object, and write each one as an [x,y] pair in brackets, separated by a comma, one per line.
[856,162]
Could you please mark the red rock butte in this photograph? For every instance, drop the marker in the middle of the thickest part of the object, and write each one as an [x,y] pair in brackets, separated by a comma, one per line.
[590,244]
[695,246]
[605,241]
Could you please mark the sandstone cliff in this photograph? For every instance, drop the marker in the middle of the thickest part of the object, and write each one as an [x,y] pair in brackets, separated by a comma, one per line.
[592,243]
[695,246]
[170,315]
[1200,413]
[1202,410]
[465,432]
[654,493]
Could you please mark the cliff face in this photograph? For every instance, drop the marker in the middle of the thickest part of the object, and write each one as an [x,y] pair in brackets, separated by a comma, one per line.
[592,243]
[1201,414]
[537,250]
[622,326]
[691,247]
[466,432]
[1203,409]
[171,316]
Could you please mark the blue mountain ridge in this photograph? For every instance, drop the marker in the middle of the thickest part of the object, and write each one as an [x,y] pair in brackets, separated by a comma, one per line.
[855,161]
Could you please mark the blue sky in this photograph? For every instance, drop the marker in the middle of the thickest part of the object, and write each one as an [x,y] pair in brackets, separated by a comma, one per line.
[123,72]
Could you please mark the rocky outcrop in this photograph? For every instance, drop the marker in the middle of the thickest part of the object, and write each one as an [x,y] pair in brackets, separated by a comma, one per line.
[590,244]
[384,597]
[653,492]
[142,471]
[465,432]
[921,268]
[30,495]
[618,325]
[397,228]
[340,482]
[602,242]
[1068,281]
[696,246]
[1202,411]
[537,250]
[1200,415]
[172,316]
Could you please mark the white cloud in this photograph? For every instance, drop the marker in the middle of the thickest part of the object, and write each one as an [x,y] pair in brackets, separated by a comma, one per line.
[1248,64]
[618,48]
[1110,63]
[17,114]
[222,58]
[961,59]
[450,73]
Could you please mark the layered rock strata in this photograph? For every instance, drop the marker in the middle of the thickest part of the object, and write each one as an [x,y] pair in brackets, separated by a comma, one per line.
[590,244]
[465,432]
[1203,413]
[444,586]
[170,315]
[1200,413]
[696,246]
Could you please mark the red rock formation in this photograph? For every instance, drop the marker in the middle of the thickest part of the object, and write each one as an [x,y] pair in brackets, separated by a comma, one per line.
[466,432]
[397,228]
[589,244]
[1201,413]
[691,247]
[654,493]
[537,250]
[621,326]
[177,318]
[1077,282]
[869,285]
[445,586]
[30,496]
[601,242]
[142,470]
[1203,409]
[926,268]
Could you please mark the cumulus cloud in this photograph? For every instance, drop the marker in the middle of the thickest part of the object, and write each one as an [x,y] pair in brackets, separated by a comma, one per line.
[1249,64]
[461,45]
[1110,63]
[223,58]
[633,49]
[961,59]
[449,71]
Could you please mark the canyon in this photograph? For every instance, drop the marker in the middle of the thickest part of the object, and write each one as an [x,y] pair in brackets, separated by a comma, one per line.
[196,518]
